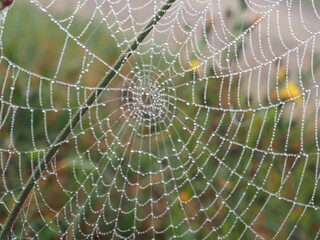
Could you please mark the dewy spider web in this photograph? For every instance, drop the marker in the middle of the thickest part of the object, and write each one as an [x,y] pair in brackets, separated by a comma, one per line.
[209,131]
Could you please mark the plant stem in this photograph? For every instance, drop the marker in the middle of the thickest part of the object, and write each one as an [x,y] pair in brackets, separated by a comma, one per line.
[77,117]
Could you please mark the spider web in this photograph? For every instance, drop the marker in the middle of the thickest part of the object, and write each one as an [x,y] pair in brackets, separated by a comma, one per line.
[209,131]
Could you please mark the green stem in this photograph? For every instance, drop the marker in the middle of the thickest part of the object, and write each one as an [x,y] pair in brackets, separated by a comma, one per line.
[77,116]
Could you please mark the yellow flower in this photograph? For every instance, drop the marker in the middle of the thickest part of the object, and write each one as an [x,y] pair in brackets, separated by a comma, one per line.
[290,91]
[184,196]
[195,65]
[282,73]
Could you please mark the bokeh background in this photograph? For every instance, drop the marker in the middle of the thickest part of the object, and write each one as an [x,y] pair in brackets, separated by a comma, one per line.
[207,138]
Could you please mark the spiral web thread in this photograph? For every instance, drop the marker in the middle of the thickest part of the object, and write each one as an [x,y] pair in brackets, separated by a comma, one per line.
[209,131]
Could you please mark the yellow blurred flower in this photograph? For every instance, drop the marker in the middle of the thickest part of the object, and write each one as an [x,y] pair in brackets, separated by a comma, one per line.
[290,91]
[195,65]
[184,196]
[282,73]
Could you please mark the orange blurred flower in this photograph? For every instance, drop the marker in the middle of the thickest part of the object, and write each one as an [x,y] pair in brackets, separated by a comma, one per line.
[184,196]
[257,18]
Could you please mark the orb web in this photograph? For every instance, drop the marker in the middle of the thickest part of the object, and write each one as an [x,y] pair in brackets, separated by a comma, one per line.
[209,130]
